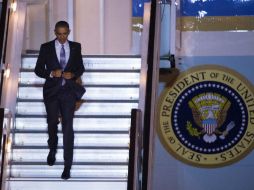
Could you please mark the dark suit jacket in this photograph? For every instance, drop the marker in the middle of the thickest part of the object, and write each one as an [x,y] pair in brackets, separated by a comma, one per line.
[48,61]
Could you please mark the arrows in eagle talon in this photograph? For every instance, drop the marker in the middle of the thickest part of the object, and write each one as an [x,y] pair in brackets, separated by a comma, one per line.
[230,126]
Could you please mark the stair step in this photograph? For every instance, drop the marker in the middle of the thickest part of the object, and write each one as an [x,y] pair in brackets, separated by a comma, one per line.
[94,140]
[94,116]
[76,132]
[84,101]
[86,109]
[97,70]
[95,78]
[80,156]
[76,147]
[93,93]
[89,85]
[39,163]
[72,179]
[77,171]
[69,184]
[80,124]
[116,63]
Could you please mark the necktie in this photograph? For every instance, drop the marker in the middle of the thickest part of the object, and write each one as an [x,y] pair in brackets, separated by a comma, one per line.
[62,61]
[62,57]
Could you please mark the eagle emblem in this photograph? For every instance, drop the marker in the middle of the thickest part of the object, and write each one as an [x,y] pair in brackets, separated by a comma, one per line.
[209,112]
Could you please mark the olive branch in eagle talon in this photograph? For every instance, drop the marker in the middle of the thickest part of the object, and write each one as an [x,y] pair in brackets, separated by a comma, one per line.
[192,131]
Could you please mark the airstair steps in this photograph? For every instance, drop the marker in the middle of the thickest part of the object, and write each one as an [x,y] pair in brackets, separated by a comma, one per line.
[79,185]
[94,93]
[81,156]
[81,139]
[101,128]
[89,108]
[91,78]
[81,172]
[96,62]
[91,124]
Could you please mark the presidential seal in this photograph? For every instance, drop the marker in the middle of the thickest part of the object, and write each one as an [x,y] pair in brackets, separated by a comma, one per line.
[206,118]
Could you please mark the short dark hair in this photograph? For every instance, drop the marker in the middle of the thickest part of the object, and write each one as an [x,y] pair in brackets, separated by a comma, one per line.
[62,23]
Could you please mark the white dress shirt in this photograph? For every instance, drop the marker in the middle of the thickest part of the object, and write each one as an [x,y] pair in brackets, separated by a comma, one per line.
[58,47]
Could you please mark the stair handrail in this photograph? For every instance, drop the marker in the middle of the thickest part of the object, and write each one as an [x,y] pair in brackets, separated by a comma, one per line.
[150,71]
[135,150]
[3,27]
[1,124]
[6,124]
[4,24]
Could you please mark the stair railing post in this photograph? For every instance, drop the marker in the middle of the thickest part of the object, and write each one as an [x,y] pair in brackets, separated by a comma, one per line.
[6,124]
[135,158]
[3,160]
[1,128]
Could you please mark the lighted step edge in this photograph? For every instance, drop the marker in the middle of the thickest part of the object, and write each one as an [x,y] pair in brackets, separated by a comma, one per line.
[40,139]
[92,93]
[80,156]
[96,78]
[80,124]
[69,184]
[127,63]
[79,171]
[86,109]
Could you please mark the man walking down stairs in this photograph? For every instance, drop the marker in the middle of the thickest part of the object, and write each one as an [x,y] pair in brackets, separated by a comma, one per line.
[60,63]
[101,128]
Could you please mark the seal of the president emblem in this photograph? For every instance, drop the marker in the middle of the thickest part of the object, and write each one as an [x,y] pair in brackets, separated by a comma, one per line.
[206,118]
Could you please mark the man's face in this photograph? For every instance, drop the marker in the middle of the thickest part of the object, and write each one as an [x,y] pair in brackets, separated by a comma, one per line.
[62,34]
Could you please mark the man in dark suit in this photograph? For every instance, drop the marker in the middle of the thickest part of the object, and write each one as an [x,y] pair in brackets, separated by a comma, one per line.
[60,63]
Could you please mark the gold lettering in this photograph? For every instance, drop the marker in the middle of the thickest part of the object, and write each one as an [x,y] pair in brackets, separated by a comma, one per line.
[223,157]
[166,127]
[166,110]
[180,146]
[249,134]
[241,145]
[191,156]
[237,151]
[247,140]
[186,81]
[244,91]
[173,94]
[169,100]
[171,140]
[230,154]
[228,79]
[198,157]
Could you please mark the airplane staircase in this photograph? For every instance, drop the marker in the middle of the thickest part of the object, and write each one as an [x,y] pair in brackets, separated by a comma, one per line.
[101,128]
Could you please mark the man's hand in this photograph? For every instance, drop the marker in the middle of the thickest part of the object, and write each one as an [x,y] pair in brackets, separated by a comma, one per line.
[57,73]
[68,75]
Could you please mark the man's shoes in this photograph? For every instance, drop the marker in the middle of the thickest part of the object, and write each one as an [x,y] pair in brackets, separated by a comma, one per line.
[51,157]
[66,173]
